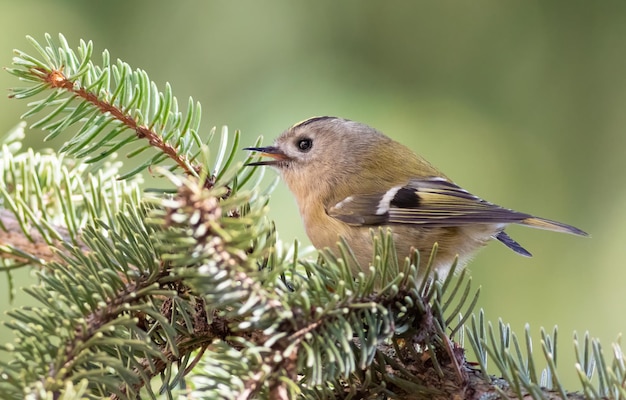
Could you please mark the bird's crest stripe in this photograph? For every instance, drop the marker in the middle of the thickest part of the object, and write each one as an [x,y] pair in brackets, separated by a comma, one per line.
[310,120]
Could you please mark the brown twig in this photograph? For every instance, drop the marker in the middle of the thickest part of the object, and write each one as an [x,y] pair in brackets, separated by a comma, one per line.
[31,242]
[56,79]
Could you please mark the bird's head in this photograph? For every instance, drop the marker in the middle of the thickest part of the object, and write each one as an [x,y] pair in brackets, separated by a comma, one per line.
[329,157]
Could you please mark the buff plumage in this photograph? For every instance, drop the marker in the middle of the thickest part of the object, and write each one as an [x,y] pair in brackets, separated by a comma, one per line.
[348,178]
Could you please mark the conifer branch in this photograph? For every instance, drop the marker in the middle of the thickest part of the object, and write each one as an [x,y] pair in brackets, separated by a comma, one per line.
[56,79]
[107,100]
[46,199]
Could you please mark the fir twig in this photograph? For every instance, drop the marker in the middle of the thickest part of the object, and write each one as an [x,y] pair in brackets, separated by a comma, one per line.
[107,100]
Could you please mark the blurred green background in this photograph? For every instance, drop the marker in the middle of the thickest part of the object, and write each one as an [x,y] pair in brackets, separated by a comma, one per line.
[521,103]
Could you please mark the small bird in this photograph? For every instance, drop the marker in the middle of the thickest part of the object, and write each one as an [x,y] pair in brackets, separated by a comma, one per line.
[348,177]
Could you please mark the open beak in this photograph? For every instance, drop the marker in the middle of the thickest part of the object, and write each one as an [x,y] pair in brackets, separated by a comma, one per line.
[269,151]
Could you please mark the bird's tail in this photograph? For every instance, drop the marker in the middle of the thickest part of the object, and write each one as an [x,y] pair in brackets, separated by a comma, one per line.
[542,223]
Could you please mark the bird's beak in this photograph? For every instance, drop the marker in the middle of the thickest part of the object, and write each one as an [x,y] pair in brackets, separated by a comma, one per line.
[269,151]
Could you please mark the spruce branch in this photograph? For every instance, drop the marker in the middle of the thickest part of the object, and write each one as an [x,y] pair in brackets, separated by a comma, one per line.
[47,199]
[124,309]
[131,312]
[108,101]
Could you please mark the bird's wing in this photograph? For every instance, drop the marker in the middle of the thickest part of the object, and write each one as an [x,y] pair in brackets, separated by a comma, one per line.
[437,202]
[428,202]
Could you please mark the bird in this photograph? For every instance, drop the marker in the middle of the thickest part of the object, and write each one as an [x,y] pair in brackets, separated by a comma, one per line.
[348,178]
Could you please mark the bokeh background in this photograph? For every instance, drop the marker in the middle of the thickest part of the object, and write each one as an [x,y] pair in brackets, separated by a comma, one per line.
[522,103]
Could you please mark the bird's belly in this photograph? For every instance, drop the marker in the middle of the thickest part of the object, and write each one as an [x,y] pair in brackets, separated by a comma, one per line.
[452,242]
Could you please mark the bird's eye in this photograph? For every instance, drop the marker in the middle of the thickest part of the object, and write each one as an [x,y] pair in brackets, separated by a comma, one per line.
[305,144]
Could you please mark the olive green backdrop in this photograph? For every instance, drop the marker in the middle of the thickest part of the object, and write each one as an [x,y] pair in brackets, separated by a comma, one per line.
[521,102]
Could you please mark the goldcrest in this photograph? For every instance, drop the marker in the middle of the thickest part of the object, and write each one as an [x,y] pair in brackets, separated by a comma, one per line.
[348,178]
